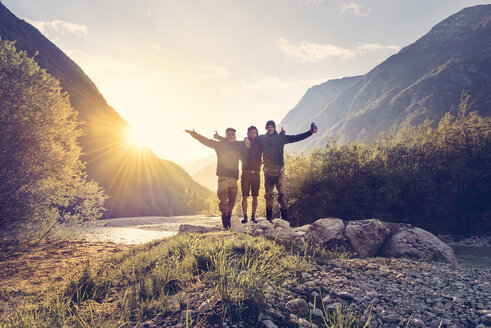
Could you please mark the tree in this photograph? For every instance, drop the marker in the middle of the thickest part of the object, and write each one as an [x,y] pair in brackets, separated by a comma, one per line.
[42,180]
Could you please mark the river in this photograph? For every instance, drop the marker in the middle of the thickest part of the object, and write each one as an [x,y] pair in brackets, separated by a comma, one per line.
[140,230]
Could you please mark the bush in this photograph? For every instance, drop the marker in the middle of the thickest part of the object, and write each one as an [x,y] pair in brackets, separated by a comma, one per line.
[437,178]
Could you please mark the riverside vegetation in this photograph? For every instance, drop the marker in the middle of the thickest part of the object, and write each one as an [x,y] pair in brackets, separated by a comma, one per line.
[433,176]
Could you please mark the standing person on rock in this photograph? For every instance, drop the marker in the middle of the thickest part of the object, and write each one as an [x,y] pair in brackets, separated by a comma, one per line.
[272,144]
[250,180]
[228,151]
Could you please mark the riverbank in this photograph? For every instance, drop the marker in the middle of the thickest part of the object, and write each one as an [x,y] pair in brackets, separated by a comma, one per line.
[396,292]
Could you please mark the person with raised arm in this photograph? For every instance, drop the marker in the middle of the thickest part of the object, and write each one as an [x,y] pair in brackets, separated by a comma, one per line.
[228,151]
[250,180]
[272,144]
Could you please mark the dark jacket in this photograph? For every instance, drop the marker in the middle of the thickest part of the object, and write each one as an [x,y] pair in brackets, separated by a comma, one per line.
[253,159]
[228,155]
[272,146]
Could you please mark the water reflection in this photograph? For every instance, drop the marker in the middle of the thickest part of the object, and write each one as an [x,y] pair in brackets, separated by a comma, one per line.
[140,230]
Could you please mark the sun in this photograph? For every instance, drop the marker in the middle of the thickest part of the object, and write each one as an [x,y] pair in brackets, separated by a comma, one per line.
[134,138]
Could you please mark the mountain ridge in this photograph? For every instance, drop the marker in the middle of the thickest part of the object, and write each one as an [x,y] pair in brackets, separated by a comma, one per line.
[424,80]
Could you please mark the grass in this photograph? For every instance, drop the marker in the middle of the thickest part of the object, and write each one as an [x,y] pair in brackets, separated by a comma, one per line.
[235,274]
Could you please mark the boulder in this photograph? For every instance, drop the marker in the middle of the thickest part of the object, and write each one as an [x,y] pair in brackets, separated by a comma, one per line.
[366,236]
[264,225]
[417,244]
[326,233]
[281,223]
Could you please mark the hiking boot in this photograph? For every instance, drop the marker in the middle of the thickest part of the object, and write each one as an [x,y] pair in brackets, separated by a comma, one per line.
[284,214]
[226,221]
[244,220]
[253,218]
[269,215]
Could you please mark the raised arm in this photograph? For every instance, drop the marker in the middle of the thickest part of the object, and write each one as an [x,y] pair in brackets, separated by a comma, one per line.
[205,141]
[301,136]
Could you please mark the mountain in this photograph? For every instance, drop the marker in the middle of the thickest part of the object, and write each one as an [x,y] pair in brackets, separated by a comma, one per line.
[137,181]
[207,176]
[423,81]
[192,167]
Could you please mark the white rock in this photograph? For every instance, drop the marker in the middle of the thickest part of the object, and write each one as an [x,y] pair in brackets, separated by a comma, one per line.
[236,225]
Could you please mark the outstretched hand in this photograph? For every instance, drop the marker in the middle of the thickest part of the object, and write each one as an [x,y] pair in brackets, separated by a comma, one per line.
[313,128]
[216,135]
[282,131]
[191,132]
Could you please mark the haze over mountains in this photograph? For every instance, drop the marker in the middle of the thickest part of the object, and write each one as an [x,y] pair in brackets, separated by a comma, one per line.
[423,81]
[137,182]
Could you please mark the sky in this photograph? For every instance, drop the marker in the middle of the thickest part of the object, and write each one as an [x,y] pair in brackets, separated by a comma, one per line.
[170,65]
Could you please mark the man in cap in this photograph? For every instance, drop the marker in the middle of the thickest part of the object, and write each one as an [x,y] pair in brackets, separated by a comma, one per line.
[272,144]
[250,179]
[228,151]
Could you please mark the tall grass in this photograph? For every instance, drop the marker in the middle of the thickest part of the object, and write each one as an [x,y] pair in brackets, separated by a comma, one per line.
[233,271]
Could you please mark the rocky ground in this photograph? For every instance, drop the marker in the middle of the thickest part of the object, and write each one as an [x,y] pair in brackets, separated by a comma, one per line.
[399,293]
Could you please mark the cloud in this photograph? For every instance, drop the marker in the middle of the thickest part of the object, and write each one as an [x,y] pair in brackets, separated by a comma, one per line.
[213,72]
[306,52]
[308,2]
[353,8]
[58,27]
[263,82]
[313,52]
[368,47]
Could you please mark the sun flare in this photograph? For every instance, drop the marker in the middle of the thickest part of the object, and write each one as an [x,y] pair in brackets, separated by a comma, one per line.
[134,138]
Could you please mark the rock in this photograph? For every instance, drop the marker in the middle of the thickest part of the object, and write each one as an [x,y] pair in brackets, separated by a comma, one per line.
[236,225]
[303,228]
[269,324]
[188,228]
[204,307]
[366,236]
[188,314]
[417,244]
[326,233]
[298,306]
[317,313]
[264,225]
[277,223]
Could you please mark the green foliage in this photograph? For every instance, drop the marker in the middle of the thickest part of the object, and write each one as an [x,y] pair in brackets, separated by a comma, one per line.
[434,177]
[41,175]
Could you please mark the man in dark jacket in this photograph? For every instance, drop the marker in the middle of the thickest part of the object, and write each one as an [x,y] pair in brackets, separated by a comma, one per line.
[250,179]
[272,144]
[229,151]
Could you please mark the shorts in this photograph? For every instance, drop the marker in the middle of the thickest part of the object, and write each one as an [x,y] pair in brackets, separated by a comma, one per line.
[250,182]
